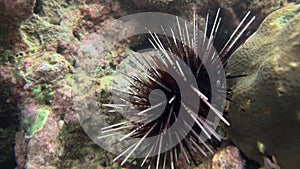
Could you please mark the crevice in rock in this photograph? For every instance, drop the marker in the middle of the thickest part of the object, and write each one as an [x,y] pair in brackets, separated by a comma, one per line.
[9,124]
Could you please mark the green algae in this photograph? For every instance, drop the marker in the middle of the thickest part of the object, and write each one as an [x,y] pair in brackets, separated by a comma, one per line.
[35,123]
[282,20]
[106,82]
[37,32]
[43,93]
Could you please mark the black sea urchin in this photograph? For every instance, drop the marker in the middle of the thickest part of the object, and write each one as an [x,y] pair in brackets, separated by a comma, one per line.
[167,96]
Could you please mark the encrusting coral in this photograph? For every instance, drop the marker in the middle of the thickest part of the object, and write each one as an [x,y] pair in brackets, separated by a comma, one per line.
[265,108]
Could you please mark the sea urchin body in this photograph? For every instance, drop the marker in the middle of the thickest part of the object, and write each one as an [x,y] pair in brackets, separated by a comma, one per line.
[172,98]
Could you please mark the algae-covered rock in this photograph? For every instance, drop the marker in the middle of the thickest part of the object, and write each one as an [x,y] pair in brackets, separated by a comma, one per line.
[35,120]
[264,111]
[12,13]
[229,157]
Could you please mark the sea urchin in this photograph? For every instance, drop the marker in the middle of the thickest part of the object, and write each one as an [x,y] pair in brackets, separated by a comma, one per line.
[174,97]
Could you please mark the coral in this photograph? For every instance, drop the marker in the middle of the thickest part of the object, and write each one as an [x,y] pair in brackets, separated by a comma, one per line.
[264,106]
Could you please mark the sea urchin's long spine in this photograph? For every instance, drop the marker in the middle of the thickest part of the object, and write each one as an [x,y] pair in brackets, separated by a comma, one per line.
[152,79]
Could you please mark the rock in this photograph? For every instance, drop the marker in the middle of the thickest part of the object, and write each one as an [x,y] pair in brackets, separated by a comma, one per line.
[13,12]
[265,103]
[229,157]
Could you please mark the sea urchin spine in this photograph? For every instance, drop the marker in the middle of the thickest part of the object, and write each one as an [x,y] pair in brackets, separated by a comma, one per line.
[157,95]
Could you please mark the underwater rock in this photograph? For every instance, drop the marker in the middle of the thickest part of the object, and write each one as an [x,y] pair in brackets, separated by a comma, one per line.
[264,111]
[34,118]
[42,148]
[232,11]
[13,12]
[229,157]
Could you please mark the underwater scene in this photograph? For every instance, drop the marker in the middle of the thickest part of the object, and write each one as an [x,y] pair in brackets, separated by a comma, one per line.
[130,84]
